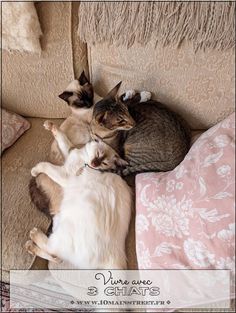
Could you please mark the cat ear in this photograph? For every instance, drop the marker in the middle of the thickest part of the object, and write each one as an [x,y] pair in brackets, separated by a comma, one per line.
[83,79]
[66,95]
[102,118]
[120,162]
[112,93]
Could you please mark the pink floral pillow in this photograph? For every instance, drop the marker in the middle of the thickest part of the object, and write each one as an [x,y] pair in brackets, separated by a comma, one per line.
[13,126]
[185,217]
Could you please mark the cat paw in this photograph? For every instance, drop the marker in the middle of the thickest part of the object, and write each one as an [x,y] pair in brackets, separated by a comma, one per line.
[48,125]
[34,233]
[129,94]
[145,96]
[35,171]
[30,247]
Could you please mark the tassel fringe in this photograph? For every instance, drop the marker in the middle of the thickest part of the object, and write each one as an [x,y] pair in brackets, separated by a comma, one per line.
[205,24]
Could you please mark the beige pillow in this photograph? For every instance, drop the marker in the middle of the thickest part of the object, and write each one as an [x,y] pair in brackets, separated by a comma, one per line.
[13,126]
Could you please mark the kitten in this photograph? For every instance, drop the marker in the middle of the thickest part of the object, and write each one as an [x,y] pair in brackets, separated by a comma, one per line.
[91,227]
[160,138]
[79,95]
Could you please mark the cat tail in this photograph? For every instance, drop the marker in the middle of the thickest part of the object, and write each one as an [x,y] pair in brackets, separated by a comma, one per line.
[39,197]
[131,102]
[158,166]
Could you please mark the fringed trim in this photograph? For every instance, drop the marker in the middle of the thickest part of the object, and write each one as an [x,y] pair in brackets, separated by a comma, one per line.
[205,24]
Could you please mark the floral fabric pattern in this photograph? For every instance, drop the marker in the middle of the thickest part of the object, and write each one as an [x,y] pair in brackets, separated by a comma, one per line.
[13,126]
[185,217]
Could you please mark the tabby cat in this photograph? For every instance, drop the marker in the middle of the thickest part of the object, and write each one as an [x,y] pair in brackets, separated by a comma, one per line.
[159,139]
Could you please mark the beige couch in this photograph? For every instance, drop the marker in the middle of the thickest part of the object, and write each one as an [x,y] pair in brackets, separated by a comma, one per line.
[198,86]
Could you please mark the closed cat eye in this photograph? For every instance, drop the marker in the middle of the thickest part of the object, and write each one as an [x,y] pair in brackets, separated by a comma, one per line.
[121,121]
[104,163]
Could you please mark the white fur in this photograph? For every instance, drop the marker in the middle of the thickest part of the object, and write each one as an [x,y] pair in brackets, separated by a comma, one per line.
[77,125]
[91,227]
[73,86]
[145,96]
[129,94]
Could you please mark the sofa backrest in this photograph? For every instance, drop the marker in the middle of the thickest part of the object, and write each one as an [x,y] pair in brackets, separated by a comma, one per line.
[31,83]
[200,86]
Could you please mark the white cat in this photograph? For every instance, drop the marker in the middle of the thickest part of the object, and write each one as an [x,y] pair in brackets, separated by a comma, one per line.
[91,227]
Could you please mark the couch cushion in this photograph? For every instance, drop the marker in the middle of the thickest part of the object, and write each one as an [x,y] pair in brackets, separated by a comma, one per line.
[185,217]
[199,86]
[13,126]
[18,213]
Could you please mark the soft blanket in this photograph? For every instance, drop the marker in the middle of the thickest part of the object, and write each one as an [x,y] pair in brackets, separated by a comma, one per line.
[205,24]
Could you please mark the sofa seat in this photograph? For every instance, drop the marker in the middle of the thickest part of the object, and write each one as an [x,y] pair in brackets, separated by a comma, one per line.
[19,215]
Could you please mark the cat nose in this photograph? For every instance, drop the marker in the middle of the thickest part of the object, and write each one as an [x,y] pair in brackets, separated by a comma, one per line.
[131,125]
[95,162]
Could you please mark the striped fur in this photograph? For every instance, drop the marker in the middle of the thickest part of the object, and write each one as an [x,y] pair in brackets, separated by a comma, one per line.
[159,139]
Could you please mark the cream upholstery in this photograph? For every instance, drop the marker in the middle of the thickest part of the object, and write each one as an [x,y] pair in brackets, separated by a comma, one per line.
[18,213]
[32,82]
[199,86]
